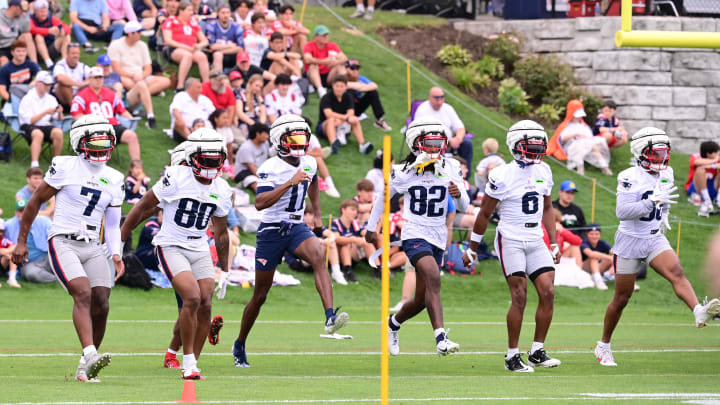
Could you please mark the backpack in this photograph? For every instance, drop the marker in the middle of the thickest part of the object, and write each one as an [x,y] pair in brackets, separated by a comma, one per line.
[453,258]
[135,274]
[5,146]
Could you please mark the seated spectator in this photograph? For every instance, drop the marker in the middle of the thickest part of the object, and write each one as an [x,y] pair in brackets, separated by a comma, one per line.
[111,79]
[90,20]
[349,237]
[236,83]
[597,255]
[37,110]
[365,93]
[365,199]
[188,106]
[14,25]
[204,10]
[282,101]
[130,59]
[136,182]
[260,7]
[572,215]
[220,93]
[37,268]
[703,181]
[225,38]
[251,154]
[580,146]
[242,14]
[256,39]
[491,160]
[51,36]
[145,250]
[295,33]
[608,126]
[146,8]
[185,41]
[121,12]
[197,124]
[337,112]
[34,177]
[436,107]
[18,72]
[322,59]
[250,108]
[375,175]
[247,69]
[70,74]
[6,250]
[361,12]
[325,181]
[97,98]
[277,59]
[222,123]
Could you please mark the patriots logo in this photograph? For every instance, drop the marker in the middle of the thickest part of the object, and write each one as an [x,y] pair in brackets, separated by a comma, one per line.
[122,187]
[263,175]
[626,184]
[166,181]
[262,261]
[52,169]
[493,186]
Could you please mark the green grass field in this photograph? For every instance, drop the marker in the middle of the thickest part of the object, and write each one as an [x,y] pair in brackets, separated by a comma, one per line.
[662,357]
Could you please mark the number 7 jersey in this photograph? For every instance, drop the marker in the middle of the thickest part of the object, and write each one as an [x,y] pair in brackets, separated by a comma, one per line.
[188,207]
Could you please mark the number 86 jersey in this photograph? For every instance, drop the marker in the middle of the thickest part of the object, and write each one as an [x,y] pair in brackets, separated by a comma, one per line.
[188,206]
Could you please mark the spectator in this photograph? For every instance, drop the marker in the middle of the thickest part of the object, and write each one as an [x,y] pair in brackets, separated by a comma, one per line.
[145,250]
[6,250]
[146,8]
[130,58]
[580,146]
[136,182]
[185,39]
[90,20]
[375,175]
[491,160]
[236,83]
[98,99]
[568,242]
[572,215]
[220,93]
[702,183]
[70,74]
[225,38]
[14,25]
[361,12]
[34,177]
[597,255]
[247,69]
[365,93]
[260,7]
[251,155]
[282,101]
[349,237]
[37,110]
[325,181]
[121,12]
[37,269]
[50,34]
[337,112]
[111,79]
[256,39]
[277,59]
[250,108]
[242,14]
[197,124]
[295,33]
[19,71]
[323,59]
[608,126]
[365,198]
[436,107]
[222,123]
[188,106]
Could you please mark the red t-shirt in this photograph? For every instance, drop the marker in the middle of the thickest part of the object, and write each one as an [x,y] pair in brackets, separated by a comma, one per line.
[691,172]
[562,237]
[225,100]
[5,242]
[106,104]
[317,53]
[181,32]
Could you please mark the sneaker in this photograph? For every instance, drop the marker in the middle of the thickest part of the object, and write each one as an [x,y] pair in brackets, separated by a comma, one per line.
[327,151]
[366,148]
[369,14]
[215,325]
[89,48]
[13,283]
[357,14]
[708,311]
[393,342]
[541,359]
[321,92]
[342,132]
[192,373]
[150,123]
[397,307]
[604,356]
[336,322]
[695,199]
[350,276]
[338,277]
[335,147]
[600,284]
[516,364]
[381,124]
[239,356]
[96,362]
[331,191]
[447,346]
[704,210]
[171,361]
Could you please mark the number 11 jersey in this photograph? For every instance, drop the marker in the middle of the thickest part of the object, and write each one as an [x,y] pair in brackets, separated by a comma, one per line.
[188,207]
[275,172]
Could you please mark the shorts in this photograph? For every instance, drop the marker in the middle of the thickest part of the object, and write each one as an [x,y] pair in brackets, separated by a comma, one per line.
[245,178]
[416,249]
[179,300]
[229,59]
[175,260]
[71,259]
[274,238]
[630,250]
[323,78]
[45,129]
[710,188]
[612,141]
[119,131]
[521,258]
[6,52]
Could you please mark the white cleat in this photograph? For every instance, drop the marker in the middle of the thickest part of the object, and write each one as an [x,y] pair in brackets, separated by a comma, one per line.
[338,277]
[336,322]
[393,342]
[447,346]
[94,363]
[541,359]
[604,356]
[332,191]
[708,311]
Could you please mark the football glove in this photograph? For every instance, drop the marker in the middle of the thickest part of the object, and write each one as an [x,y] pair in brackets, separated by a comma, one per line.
[665,223]
[663,194]
[222,285]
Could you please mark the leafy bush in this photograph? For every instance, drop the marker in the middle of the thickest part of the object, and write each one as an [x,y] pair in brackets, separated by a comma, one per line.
[560,96]
[454,55]
[505,47]
[541,74]
[490,66]
[512,98]
[548,113]
[467,78]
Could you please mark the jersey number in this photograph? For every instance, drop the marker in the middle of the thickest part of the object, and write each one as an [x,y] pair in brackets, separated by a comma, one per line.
[192,213]
[427,201]
[94,198]
[655,213]
[530,203]
[296,204]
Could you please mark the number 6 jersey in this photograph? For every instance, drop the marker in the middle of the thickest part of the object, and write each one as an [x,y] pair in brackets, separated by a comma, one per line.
[84,193]
[520,192]
[188,207]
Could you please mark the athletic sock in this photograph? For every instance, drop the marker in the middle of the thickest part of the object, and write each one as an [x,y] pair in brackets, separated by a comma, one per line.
[329,314]
[49,63]
[329,181]
[150,116]
[360,7]
[536,346]
[188,361]
[171,351]
[603,345]
[335,267]
[371,9]
[705,196]
[697,309]
[12,275]
[34,163]
[439,335]
[511,352]
[88,350]
[596,277]
[393,323]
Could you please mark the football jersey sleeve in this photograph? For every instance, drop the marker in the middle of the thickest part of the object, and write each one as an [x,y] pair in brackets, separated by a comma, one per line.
[55,176]
[225,199]
[117,191]
[167,187]
[496,187]
[547,179]
[629,204]
[266,178]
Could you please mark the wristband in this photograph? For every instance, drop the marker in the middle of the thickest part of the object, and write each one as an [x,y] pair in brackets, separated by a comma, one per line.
[477,238]
[471,255]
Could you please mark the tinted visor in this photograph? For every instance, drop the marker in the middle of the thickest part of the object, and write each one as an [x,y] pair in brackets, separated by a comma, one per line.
[433,142]
[535,147]
[296,138]
[209,160]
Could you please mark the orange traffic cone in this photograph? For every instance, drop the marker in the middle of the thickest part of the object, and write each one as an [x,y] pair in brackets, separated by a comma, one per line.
[188,393]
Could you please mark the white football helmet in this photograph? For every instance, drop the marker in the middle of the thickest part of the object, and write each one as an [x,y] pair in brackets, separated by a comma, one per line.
[92,137]
[205,152]
[651,148]
[178,155]
[527,141]
[427,135]
[290,135]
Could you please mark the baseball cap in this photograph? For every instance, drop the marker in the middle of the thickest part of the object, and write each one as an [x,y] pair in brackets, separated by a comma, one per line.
[217,74]
[234,75]
[579,113]
[242,56]
[568,185]
[38,4]
[103,60]
[594,227]
[20,204]
[2,224]
[96,71]
[44,76]
[14,3]
[352,63]
[132,26]
[321,30]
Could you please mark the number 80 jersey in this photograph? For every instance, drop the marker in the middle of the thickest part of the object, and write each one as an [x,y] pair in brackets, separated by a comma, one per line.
[188,207]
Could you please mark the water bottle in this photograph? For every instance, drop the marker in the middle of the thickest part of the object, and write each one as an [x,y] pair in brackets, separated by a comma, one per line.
[490,8]
[598,10]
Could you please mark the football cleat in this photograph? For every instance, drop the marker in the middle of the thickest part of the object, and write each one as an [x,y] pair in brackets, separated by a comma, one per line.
[605,356]
[96,362]
[336,322]
[446,346]
[215,325]
[708,311]
[171,361]
[393,342]
[192,373]
[239,355]
[81,375]
[541,359]
[516,364]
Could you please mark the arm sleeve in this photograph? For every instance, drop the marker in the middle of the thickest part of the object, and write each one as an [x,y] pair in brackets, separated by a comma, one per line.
[377,209]
[112,230]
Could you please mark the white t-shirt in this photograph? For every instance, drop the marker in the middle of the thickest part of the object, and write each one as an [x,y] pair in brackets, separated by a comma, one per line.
[291,206]
[376,177]
[446,114]
[492,158]
[190,110]
[188,207]
[278,105]
[255,45]
[132,58]
[248,152]
[521,192]
[84,193]
[32,105]
[575,128]
[637,182]
[78,73]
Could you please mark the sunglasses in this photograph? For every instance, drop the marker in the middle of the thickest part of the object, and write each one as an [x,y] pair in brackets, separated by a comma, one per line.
[74,44]
[439,97]
[354,67]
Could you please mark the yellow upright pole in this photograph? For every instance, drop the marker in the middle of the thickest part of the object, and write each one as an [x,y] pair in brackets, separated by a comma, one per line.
[592,209]
[385,301]
[677,248]
[302,11]
[327,248]
[409,88]
[626,15]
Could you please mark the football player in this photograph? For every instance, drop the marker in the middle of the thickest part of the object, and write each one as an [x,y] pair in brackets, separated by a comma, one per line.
[521,190]
[284,181]
[85,190]
[644,194]
[426,179]
[190,196]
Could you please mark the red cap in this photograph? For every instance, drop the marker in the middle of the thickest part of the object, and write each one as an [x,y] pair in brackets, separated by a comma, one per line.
[242,56]
[235,75]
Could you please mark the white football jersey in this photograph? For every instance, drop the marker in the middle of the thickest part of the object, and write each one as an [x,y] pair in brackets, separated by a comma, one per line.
[521,192]
[291,206]
[637,182]
[84,193]
[188,207]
